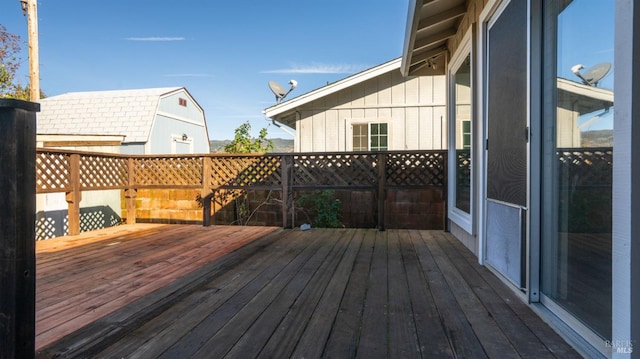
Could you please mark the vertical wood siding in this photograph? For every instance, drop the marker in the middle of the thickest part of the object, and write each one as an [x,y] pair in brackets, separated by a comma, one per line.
[414,107]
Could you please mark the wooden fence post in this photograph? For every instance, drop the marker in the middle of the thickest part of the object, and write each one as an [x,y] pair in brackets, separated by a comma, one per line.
[74,196]
[286,167]
[206,191]
[382,183]
[17,228]
[131,192]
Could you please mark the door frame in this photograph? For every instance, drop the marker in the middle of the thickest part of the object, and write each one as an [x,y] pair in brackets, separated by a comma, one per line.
[489,15]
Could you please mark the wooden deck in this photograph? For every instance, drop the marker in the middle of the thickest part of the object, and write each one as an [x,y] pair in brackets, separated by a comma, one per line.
[186,291]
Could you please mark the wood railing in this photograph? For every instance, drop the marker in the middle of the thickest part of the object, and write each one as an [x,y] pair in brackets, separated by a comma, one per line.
[73,172]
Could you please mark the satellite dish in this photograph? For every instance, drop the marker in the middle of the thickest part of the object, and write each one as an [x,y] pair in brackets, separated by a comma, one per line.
[594,74]
[279,91]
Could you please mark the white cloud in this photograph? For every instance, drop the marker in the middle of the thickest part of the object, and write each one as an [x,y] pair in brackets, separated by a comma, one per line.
[318,68]
[156,38]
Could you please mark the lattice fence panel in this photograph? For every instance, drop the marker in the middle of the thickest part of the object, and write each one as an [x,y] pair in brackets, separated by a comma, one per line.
[223,197]
[52,172]
[97,218]
[416,169]
[46,228]
[168,171]
[103,172]
[348,170]
[246,171]
[463,166]
[587,166]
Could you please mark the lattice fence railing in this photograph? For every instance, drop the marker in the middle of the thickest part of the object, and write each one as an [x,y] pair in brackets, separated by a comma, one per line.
[334,170]
[416,169]
[246,171]
[589,167]
[585,189]
[53,171]
[103,171]
[168,172]
[97,171]
[73,172]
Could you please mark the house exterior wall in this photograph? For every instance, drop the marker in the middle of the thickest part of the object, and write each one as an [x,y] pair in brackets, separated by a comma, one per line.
[177,115]
[413,107]
[166,137]
[132,148]
[474,8]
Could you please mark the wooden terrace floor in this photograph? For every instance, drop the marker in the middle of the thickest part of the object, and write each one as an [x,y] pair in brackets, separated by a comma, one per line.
[186,291]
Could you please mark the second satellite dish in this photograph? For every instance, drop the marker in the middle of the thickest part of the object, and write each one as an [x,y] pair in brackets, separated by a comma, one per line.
[594,74]
[279,91]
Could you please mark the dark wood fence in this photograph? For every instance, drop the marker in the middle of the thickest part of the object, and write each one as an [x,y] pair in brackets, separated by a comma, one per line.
[73,172]
[585,189]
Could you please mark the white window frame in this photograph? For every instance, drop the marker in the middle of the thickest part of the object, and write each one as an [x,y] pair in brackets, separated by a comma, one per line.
[178,139]
[349,131]
[466,221]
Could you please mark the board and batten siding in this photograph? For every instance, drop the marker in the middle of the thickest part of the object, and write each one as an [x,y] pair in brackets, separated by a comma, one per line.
[414,108]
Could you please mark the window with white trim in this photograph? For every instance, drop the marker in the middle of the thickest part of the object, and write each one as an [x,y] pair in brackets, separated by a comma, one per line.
[372,136]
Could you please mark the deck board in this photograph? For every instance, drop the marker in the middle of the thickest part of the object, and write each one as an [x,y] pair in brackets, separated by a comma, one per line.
[343,336]
[493,339]
[403,337]
[312,341]
[170,255]
[432,338]
[282,342]
[263,292]
[374,317]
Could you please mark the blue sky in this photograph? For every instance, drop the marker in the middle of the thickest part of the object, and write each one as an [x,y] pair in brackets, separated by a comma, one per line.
[223,52]
[588,43]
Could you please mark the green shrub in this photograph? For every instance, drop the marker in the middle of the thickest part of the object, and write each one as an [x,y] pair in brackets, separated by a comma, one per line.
[324,205]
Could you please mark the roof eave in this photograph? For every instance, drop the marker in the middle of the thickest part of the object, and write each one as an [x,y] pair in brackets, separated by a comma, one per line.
[430,26]
[287,106]
[413,19]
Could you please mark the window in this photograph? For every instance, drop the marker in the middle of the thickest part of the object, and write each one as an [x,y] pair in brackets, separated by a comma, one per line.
[466,134]
[379,136]
[462,79]
[370,137]
[461,136]
[360,137]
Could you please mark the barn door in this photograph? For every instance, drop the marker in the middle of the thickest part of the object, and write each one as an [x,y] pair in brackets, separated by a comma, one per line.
[506,143]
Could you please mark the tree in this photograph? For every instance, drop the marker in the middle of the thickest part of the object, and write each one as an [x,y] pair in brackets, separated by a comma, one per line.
[23,92]
[244,143]
[9,61]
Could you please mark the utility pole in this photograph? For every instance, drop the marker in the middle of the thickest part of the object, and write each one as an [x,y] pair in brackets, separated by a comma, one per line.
[30,9]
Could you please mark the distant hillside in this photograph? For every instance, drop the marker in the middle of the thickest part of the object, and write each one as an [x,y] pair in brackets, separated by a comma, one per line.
[281,145]
[598,138]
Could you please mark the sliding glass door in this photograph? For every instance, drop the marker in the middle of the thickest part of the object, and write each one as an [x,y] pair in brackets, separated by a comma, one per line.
[578,160]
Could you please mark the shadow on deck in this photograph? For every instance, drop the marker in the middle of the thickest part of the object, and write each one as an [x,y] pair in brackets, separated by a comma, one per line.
[183,291]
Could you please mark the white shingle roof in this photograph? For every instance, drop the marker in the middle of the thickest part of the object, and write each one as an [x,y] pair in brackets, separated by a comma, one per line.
[121,112]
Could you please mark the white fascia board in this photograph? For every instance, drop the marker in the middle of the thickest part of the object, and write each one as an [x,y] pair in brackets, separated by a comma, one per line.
[586,91]
[281,108]
[413,19]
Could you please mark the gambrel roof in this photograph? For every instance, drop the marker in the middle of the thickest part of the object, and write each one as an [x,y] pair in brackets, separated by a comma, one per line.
[129,113]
